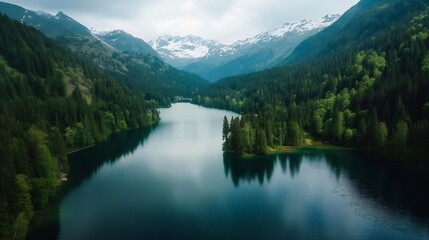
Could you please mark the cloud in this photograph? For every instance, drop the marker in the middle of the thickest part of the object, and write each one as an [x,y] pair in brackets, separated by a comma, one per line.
[222,20]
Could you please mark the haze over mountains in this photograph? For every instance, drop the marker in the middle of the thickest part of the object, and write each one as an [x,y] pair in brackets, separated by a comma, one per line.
[127,58]
[213,60]
[359,81]
[208,58]
[51,25]
[124,41]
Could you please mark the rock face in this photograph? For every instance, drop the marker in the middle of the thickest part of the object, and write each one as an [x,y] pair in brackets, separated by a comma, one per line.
[125,42]
[213,60]
[51,25]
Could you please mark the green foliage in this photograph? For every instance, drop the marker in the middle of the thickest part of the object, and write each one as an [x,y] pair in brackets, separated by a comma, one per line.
[338,126]
[21,226]
[142,72]
[225,128]
[296,134]
[23,205]
[348,135]
[23,196]
[51,103]
[371,94]
[250,135]
[400,135]
[46,169]
[425,63]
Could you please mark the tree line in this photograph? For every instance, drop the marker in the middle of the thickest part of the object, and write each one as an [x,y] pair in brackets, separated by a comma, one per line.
[143,72]
[51,102]
[373,96]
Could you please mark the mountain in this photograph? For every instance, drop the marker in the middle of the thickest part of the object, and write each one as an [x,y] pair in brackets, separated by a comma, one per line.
[142,72]
[51,103]
[213,60]
[128,58]
[181,51]
[125,42]
[351,29]
[362,83]
[51,25]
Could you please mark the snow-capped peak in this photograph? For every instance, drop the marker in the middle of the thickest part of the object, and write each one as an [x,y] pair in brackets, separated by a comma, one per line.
[304,25]
[62,16]
[194,47]
[295,27]
[115,32]
[43,14]
[188,47]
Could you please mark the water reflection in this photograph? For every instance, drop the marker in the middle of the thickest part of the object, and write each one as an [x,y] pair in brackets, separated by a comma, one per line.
[46,225]
[180,185]
[115,147]
[391,186]
[248,170]
[259,168]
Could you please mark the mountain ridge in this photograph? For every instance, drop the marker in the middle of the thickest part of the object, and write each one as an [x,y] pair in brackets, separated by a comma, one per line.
[128,58]
[125,42]
[214,60]
[332,39]
[364,86]
[51,25]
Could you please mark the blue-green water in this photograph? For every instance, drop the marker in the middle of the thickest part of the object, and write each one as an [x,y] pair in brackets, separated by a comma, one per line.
[174,182]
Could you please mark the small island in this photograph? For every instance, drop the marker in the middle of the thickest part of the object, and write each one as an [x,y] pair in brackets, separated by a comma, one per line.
[251,135]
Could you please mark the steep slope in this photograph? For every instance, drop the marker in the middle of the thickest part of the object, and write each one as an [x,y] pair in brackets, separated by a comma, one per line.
[125,42]
[213,60]
[50,25]
[356,26]
[140,70]
[51,102]
[368,92]
[145,73]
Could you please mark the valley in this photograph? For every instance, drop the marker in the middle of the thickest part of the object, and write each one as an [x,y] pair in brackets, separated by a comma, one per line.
[220,129]
[213,60]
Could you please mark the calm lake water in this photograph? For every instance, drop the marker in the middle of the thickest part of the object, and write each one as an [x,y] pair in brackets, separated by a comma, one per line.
[174,182]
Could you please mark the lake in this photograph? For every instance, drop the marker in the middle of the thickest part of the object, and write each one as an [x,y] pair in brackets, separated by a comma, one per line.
[174,182]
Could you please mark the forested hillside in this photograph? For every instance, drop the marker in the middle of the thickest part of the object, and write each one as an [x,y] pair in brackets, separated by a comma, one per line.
[373,94]
[366,20]
[143,72]
[128,59]
[51,103]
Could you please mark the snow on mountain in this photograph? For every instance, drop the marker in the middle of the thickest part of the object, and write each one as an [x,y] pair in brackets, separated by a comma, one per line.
[125,42]
[43,14]
[111,35]
[214,60]
[193,47]
[188,47]
[51,25]
[296,27]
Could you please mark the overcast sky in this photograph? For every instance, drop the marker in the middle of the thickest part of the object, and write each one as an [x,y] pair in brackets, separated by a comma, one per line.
[222,20]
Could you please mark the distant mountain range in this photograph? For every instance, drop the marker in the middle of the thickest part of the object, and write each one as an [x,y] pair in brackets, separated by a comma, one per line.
[128,58]
[213,60]
[51,25]
[210,59]
[125,42]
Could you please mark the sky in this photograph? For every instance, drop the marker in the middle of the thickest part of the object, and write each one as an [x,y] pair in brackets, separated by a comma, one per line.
[223,20]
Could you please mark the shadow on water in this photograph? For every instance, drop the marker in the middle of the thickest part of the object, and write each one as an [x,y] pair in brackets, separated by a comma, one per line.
[259,168]
[248,169]
[402,190]
[117,146]
[46,224]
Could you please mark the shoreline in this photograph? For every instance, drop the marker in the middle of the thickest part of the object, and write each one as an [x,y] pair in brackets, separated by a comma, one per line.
[83,148]
[309,144]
